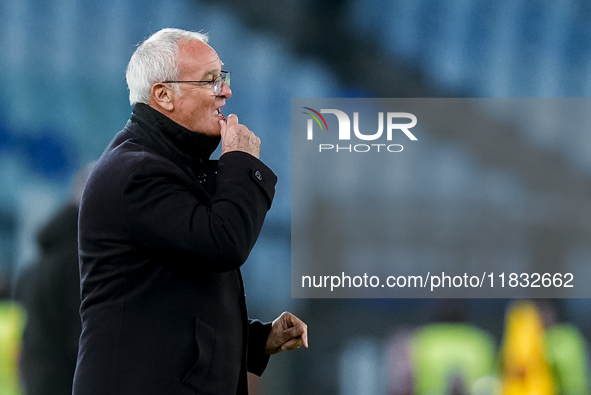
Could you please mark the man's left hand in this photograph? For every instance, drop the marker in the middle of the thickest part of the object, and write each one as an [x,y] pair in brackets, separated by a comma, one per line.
[288,332]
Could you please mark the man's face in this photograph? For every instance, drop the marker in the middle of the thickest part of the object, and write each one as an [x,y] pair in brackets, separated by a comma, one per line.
[198,109]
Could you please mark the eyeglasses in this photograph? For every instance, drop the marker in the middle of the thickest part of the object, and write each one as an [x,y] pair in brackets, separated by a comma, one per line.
[217,83]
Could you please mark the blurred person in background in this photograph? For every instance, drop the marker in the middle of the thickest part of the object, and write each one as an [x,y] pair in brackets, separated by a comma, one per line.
[541,356]
[450,356]
[50,292]
[567,352]
[12,322]
[524,364]
[163,231]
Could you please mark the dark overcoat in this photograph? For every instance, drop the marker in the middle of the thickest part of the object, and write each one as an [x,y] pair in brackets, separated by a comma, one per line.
[163,232]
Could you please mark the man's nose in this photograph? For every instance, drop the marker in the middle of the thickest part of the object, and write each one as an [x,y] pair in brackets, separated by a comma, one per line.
[226,91]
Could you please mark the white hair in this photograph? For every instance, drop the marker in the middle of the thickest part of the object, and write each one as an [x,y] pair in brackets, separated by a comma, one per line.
[156,60]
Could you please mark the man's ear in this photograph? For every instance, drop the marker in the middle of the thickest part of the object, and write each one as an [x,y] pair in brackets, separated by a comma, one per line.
[161,96]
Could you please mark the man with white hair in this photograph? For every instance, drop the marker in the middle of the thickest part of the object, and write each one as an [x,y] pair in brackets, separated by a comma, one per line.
[163,232]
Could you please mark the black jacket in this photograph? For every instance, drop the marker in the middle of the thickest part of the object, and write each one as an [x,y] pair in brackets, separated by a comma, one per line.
[163,232]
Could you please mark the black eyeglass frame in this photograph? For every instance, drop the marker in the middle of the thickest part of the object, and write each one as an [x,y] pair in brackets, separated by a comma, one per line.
[224,77]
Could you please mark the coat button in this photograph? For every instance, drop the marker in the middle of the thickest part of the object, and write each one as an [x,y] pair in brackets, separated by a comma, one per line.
[258,175]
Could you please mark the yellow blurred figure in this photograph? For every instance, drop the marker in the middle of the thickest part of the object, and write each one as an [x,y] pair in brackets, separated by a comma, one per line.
[12,322]
[525,368]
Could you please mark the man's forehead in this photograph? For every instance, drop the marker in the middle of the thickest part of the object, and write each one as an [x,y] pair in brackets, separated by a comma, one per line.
[198,55]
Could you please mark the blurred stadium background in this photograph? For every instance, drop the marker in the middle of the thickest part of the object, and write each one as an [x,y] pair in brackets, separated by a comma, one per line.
[63,97]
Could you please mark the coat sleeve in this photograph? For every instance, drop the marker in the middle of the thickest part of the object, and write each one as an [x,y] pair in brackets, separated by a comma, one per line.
[256,359]
[164,213]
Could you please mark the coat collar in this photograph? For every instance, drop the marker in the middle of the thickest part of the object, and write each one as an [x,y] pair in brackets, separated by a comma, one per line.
[163,131]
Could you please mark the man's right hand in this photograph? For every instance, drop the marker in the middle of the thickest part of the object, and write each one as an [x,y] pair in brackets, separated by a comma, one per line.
[237,137]
[288,332]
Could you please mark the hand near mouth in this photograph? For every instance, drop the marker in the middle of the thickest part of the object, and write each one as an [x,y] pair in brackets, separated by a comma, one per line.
[237,137]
